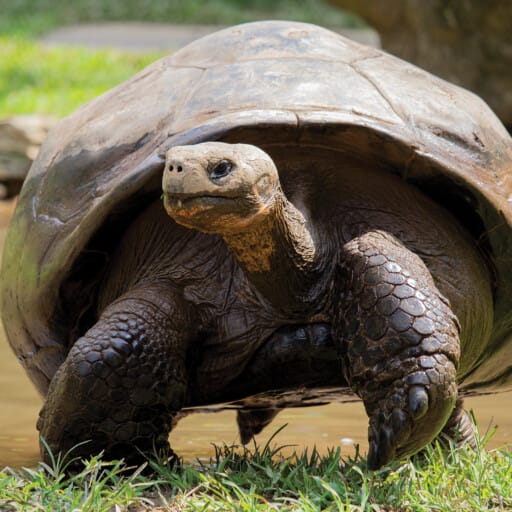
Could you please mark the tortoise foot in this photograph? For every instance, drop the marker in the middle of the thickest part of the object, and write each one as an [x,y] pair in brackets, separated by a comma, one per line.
[253,421]
[410,415]
[401,345]
[459,428]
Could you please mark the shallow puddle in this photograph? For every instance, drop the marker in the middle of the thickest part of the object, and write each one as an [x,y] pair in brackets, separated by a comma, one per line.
[335,425]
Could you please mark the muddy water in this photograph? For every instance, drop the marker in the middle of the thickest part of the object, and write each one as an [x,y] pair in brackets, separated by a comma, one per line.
[327,426]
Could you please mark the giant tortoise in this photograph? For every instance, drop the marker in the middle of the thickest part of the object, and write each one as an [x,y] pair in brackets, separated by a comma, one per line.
[335,222]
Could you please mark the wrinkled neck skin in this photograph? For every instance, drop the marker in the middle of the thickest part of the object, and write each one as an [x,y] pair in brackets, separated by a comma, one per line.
[278,254]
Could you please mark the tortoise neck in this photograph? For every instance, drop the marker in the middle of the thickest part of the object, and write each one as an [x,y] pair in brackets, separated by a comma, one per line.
[278,255]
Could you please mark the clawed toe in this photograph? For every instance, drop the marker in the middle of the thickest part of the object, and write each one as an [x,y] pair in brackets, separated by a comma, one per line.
[398,432]
[387,434]
[417,401]
[382,447]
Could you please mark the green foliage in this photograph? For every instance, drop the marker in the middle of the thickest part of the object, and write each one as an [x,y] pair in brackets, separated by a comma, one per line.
[37,16]
[241,479]
[57,80]
[98,487]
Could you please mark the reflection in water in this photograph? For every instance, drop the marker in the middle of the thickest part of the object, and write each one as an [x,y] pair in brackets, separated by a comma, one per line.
[327,426]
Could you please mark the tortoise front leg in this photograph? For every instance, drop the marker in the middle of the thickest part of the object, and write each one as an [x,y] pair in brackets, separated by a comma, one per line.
[123,381]
[401,343]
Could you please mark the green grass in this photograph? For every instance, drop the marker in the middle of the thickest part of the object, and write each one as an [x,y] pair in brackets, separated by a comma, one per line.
[57,80]
[261,479]
[32,17]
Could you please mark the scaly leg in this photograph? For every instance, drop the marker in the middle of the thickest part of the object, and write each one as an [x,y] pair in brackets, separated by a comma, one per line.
[459,428]
[124,380]
[401,344]
[253,421]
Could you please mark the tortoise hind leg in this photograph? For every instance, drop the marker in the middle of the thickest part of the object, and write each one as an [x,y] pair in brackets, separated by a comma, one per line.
[295,356]
[253,421]
[401,345]
[459,428]
[123,382]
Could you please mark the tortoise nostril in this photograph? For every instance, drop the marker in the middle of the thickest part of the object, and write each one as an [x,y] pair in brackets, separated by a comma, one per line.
[171,168]
[180,168]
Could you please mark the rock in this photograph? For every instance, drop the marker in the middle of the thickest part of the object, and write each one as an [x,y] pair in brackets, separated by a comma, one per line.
[467,42]
[20,139]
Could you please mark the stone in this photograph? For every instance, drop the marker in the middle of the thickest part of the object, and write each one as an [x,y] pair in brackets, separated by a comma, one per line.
[20,139]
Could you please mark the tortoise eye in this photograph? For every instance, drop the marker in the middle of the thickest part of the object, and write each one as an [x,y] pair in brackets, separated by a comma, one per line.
[220,170]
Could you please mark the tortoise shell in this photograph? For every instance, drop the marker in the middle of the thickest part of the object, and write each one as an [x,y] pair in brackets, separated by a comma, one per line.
[265,83]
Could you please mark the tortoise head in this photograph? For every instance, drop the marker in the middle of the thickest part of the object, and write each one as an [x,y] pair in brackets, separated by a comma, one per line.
[216,187]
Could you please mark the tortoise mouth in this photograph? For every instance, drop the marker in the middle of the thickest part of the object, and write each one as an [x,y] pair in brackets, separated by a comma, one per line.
[185,202]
